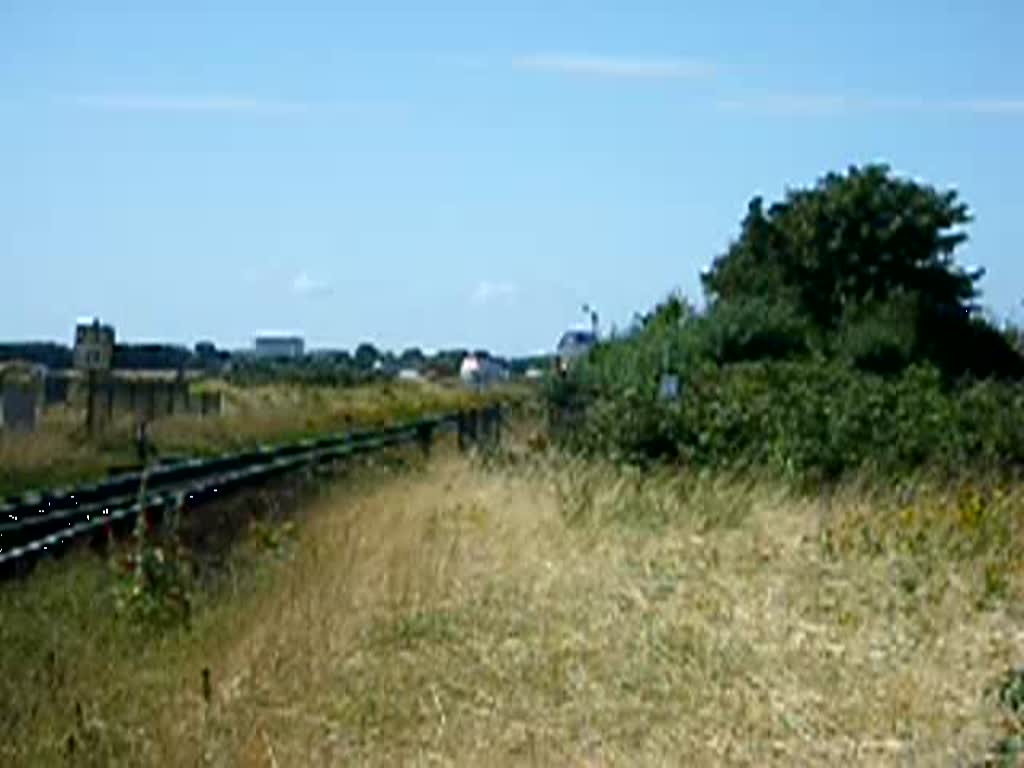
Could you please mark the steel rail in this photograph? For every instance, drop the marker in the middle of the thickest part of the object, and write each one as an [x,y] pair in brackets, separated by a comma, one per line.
[47,523]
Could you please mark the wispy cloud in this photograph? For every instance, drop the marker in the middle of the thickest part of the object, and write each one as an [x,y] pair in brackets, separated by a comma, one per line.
[487,292]
[221,104]
[304,285]
[993,106]
[790,104]
[823,104]
[625,67]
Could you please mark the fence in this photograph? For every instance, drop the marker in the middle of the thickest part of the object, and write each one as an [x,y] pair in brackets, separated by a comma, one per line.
[147,400]
[23,397]
[45,523]
[19,407]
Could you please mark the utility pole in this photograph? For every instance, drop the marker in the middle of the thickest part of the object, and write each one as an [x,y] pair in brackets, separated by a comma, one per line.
[588,310]
[90,412]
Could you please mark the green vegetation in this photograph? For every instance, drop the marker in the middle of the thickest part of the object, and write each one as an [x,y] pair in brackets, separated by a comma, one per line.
[538,608]
[839,335]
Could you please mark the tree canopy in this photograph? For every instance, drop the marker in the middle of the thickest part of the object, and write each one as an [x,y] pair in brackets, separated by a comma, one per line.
[862,236]
[866,259]
[366,355]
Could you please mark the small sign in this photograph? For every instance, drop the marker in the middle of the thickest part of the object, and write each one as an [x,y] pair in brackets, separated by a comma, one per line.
[669,387]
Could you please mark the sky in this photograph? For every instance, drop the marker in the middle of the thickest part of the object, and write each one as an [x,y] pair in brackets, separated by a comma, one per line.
[463,173]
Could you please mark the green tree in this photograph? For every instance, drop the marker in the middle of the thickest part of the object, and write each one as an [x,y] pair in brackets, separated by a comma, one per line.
[866,260]
[856,237]
[412,357]
[366,355]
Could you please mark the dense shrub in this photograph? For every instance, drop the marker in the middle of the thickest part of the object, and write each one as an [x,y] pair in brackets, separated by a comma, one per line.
[840,334]
[807,419]
[759,329]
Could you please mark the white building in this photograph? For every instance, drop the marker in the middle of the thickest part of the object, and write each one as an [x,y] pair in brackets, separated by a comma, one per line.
[481,372]
[288,347]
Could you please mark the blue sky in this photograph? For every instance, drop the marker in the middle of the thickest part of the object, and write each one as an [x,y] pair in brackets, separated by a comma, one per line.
[457,172]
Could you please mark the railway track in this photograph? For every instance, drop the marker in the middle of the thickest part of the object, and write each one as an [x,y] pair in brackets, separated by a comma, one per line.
[47,523]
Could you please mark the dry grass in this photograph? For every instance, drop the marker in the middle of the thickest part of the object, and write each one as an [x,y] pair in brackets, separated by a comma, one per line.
[577,615]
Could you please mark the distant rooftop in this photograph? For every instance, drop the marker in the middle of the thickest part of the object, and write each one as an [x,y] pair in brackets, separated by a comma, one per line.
[577,337]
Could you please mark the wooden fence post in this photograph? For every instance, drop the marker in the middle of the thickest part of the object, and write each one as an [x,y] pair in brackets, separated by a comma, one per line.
[486,427]
[463,428]
[425,434]
[90,397]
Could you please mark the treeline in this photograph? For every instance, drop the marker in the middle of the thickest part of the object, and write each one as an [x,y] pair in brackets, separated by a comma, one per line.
[46,353]
[340,368]
[126,356]
[366,364]
[838,334]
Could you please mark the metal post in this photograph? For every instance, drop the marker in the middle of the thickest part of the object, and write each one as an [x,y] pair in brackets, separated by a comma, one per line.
[90,396]
[425,435]
[110,400]
[487,430]
[463,427]
[142,442]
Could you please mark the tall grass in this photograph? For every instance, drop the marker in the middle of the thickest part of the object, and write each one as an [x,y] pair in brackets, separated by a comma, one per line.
[553,612]
[60,452]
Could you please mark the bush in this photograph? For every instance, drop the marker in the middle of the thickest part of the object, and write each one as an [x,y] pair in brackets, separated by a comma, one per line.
[880,337]
[840,334]
[809,419]
[758,329]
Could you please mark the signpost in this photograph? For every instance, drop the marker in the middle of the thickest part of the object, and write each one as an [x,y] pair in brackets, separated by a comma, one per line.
[668,386]
[668,389]
[94,352]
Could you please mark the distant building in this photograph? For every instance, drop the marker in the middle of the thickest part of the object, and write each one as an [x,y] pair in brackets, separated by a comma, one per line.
[573,345]
[282,347]
[480,371]
[94,346]
[409,374]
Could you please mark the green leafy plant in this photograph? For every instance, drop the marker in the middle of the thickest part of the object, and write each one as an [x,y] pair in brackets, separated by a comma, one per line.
[154,585]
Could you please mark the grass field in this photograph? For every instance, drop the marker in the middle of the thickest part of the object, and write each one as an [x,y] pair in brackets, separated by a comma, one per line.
[548,613]
[59,452]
